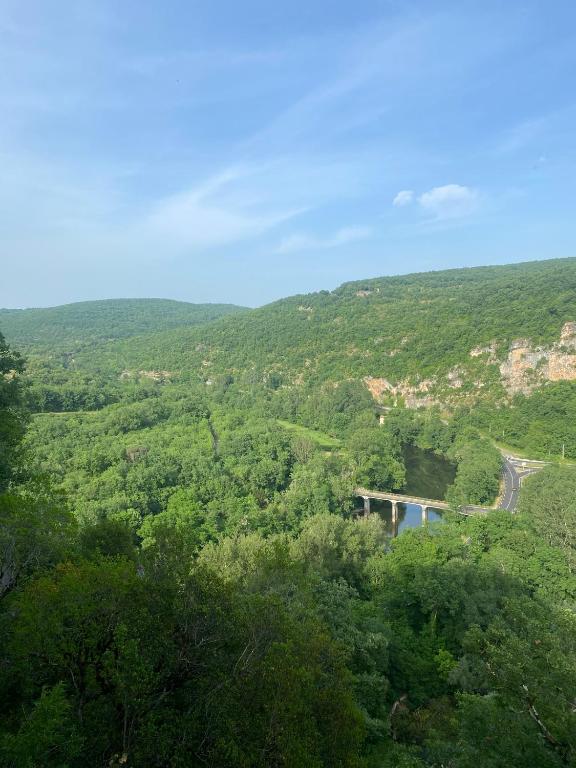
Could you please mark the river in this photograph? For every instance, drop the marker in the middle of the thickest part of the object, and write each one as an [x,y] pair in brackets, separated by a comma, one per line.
[427,475]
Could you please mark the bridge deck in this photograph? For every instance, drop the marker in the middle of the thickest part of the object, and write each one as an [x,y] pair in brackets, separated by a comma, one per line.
[387,496]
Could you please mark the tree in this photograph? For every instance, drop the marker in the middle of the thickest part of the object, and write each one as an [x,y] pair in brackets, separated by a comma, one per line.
[377,459]
[35,532]
[12,418]
[47,737]
[533,670]
[478,473]
[334,547]
[548,503]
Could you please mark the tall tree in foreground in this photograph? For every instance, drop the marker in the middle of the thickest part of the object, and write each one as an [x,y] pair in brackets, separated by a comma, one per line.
[12,421]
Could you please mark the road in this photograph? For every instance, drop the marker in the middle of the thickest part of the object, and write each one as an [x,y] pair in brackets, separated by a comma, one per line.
[514,471]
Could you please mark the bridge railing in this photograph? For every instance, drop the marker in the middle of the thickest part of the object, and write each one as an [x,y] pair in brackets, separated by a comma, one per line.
[389,496]
[466,510]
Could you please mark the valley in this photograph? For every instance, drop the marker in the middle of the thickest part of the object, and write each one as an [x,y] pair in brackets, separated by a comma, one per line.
[287,384]
[223,518]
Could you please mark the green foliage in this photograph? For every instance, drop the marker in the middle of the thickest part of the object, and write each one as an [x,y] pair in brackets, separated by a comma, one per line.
[334,547]
[168,677]
[548,503]
[479,466]
[409,326]
[377,459]
[36,531]
[12,420]
[532,669]
[72,326]
[542,424]
[47,736]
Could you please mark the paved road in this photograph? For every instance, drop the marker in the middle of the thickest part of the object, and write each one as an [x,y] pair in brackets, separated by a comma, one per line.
[514,471]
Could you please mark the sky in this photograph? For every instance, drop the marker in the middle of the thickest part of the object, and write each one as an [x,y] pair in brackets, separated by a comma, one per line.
[244,150]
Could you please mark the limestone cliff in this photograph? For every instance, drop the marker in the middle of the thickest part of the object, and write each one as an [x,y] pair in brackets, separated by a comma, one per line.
[527,367]
[524,368]
[413,395]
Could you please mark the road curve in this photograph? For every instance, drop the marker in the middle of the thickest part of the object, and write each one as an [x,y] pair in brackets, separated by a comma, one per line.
[513,472]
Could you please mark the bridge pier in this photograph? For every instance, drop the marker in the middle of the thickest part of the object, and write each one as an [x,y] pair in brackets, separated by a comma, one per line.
[394,518]
[366,504]
[424,514]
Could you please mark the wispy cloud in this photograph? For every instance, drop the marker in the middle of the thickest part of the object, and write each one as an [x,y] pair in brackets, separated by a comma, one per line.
[201,218]
[451,201]
[404,197]
[246,201]
[307,242]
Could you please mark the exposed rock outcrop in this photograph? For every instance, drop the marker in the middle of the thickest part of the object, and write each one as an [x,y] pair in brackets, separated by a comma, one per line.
[526,367]
[154,375]
[489,350]
[413,395]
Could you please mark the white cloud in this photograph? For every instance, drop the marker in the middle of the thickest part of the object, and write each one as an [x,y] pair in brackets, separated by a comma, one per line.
[306,242]
[213,213]
[452,201]
[405,197]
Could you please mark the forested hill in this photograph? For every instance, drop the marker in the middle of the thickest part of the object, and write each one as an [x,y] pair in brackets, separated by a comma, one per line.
[71,326]
[451,330]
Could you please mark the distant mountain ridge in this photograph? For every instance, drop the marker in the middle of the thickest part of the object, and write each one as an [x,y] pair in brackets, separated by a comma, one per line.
[449,337]
[72,326]
[424,338]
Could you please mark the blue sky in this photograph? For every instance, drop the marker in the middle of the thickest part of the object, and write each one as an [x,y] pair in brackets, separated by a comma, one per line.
[212,150]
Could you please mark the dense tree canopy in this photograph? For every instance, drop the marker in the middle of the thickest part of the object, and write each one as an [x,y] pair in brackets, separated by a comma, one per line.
[12,419]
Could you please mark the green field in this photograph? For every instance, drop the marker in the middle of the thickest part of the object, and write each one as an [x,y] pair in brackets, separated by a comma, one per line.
[327,442]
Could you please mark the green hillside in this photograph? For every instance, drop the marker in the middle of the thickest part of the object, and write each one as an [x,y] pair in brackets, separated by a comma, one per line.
[405,327]
[71,326]
[430,339]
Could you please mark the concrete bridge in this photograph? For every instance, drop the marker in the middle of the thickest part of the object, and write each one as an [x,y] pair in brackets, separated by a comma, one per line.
[398,498]
[424,504]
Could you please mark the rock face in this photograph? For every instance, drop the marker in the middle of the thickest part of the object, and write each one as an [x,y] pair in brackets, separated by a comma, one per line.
[455,377]
[379,387]
[568,334]
[490,351]
[561,367]
[414,395]
[154,375]
[527,367]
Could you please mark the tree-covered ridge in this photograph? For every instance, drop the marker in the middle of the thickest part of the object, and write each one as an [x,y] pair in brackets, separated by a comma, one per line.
[68,327]
[413,326]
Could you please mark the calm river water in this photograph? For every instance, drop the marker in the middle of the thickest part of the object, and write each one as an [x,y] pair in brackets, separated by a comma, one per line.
[427,475]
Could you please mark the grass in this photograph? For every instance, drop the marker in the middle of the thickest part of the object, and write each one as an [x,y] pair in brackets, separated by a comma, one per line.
[321,439]
[522,454]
